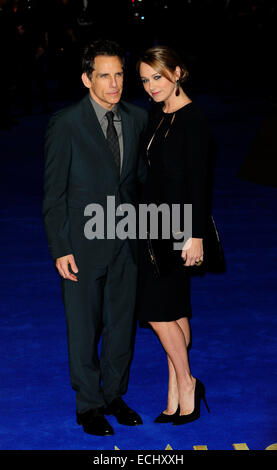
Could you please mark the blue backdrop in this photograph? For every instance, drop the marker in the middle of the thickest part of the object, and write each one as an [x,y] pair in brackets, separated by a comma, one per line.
[234,322]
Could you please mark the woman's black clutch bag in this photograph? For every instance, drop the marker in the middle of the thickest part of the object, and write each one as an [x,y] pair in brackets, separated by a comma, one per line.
[163,257]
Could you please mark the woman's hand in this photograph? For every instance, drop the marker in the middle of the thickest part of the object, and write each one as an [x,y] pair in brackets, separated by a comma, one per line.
[192,251]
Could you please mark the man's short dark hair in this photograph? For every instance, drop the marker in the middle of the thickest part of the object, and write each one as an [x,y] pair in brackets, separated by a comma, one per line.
[100,47]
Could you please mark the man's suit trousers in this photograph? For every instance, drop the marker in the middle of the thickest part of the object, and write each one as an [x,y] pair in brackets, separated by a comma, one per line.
[102,302]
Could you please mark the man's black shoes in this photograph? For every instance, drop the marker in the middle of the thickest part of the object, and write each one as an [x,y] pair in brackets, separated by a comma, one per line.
[123,413]
[94,422]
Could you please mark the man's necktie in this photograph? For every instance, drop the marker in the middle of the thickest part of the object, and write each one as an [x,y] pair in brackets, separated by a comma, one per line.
[112,139]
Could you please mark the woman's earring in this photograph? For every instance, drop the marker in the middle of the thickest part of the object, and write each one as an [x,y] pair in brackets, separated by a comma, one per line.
[177,92]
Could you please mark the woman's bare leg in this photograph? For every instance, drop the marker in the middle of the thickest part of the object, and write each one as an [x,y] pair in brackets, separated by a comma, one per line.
[174,337]
[173,395]
[185,326]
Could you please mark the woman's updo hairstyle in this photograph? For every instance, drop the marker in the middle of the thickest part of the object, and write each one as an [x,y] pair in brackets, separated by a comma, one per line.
[162,59]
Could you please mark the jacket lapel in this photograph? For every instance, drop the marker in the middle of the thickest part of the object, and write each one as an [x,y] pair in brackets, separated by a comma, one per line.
[94,129]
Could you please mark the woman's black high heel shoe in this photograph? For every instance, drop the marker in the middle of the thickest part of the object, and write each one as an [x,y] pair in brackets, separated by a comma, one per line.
[163,418]
[199,394]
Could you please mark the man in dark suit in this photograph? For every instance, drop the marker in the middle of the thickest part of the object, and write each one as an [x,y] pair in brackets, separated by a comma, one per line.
[92,151]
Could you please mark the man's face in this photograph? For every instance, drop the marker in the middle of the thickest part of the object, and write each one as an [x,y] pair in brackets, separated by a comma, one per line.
[106,83]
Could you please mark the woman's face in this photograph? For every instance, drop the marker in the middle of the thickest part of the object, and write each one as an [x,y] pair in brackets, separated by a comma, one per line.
[155,84]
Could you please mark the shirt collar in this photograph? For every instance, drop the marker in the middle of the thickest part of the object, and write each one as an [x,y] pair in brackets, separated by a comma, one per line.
[100,111]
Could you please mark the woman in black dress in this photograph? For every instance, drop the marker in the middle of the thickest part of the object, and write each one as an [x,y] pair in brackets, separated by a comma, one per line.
[177,152]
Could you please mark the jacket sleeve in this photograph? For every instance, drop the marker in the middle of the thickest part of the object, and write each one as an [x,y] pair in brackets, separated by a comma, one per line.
[56,176]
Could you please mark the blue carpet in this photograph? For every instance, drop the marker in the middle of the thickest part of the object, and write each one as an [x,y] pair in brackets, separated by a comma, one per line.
[234,322]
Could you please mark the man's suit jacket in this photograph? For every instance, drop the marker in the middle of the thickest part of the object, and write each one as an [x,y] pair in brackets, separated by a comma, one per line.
[80,170]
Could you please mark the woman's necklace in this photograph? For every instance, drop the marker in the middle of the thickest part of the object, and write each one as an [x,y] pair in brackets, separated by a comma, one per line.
[165,136]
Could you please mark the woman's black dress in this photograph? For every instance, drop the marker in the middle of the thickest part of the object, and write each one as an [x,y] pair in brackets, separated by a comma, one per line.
[177,173]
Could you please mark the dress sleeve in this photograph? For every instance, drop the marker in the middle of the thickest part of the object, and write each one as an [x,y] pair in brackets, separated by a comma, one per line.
[197,142]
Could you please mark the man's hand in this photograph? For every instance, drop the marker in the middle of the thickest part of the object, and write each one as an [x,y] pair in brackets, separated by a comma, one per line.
[62,266]
[192,251]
